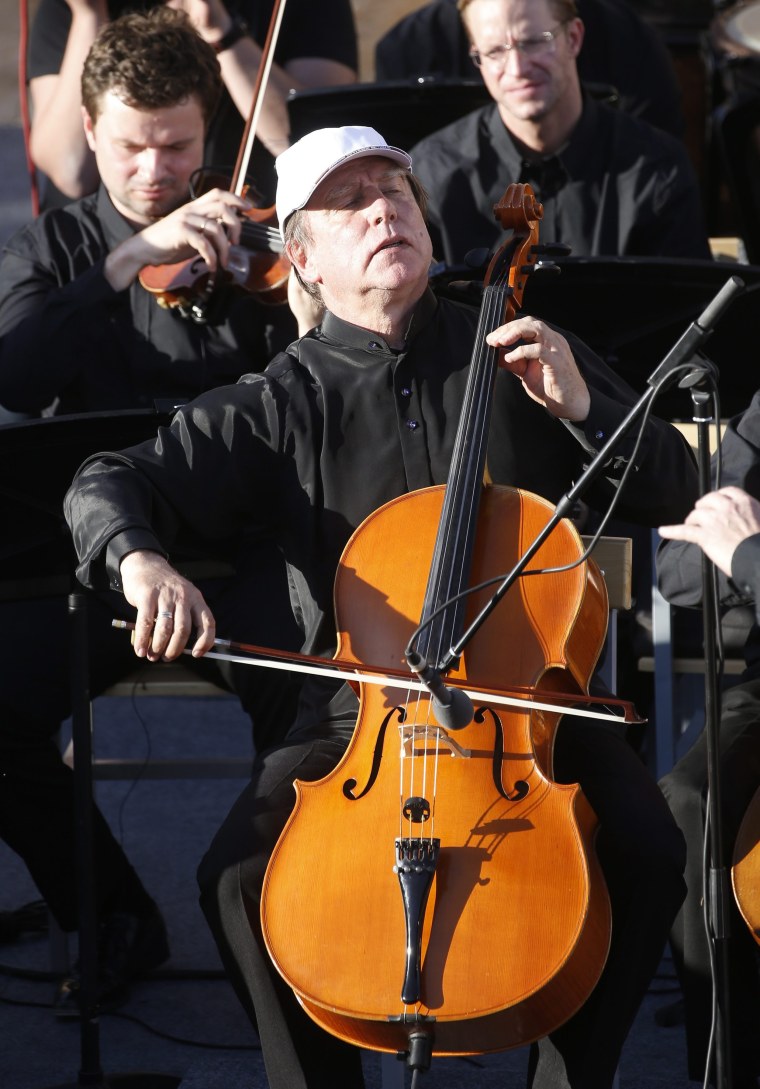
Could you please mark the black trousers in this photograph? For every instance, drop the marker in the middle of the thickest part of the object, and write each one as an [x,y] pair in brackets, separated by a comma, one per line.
[685,789]
[641,851]
[37,788]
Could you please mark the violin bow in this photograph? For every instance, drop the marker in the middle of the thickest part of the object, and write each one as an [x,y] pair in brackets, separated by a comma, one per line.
[262,77]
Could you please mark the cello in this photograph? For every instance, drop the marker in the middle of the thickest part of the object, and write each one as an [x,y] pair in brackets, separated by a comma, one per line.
[496,925]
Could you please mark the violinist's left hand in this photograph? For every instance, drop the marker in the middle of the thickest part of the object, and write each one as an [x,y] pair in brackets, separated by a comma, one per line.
[541,358]
[206,226]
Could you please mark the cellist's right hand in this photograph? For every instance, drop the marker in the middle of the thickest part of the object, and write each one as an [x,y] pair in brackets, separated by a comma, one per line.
[206,226]
[169,608]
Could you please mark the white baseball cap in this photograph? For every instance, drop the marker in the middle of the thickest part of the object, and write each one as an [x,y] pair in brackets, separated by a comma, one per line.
[306,163]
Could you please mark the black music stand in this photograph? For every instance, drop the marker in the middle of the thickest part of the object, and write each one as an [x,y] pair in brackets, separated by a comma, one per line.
[43,560]
[402,110]
[631,310]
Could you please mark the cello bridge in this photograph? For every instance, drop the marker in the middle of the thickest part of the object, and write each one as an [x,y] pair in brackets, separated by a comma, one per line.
[428,739]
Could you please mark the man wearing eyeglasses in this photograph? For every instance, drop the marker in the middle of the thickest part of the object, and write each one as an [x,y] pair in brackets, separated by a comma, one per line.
[611,185]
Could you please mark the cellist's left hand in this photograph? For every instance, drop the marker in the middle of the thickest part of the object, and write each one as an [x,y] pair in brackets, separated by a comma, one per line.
[541,358]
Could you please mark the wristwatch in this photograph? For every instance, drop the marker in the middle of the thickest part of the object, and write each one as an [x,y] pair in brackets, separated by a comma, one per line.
[238,29]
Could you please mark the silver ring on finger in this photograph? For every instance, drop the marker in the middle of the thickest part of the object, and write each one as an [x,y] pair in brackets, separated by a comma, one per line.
[166,616]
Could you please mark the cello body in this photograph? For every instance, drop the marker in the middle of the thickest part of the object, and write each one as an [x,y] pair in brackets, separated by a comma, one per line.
[502,929]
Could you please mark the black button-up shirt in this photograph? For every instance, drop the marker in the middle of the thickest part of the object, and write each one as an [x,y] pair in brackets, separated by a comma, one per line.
[619,187]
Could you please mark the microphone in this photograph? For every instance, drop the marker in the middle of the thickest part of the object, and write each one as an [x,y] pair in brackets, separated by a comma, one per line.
[452,707]
[695,336]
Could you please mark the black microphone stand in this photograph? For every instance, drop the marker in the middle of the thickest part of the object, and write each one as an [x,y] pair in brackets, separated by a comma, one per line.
[684,353]
[718,893]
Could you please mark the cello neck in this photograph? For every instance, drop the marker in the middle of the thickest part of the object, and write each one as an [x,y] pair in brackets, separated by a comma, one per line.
[452,557]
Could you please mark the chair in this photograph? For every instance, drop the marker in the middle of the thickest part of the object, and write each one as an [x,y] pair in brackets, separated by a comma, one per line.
[165,679]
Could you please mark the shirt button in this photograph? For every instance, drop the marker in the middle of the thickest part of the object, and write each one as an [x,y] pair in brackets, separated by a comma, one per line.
[412,424]
[599,435]
[406,392]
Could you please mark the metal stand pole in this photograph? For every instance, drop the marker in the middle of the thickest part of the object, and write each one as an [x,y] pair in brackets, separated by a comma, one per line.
[90,1071]
[718,887]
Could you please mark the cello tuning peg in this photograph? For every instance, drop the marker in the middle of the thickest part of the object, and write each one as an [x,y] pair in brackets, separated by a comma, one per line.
[552,249]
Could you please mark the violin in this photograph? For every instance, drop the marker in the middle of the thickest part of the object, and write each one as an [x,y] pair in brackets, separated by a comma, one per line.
[439,894]
[258,264]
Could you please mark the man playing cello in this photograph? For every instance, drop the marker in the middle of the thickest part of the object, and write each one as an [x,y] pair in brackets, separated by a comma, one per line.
[357,412]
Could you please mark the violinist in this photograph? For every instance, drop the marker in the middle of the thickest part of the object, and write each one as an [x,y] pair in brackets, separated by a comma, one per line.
[316,47]
[69,290]
[78,334]
[725,525]
[361,410]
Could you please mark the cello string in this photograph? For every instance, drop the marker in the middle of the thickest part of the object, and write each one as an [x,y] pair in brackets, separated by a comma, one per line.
[459,527]
[477,399]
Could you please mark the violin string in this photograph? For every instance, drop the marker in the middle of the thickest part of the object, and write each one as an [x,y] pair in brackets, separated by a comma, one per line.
[260,230]
[269,238]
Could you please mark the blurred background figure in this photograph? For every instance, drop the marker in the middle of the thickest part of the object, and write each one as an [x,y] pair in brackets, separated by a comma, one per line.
[610,184]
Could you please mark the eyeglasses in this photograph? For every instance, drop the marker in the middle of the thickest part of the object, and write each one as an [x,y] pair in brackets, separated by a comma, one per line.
[528,47]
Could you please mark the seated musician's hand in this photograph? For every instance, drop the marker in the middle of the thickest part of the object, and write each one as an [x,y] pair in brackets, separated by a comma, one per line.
[168,607]
[719,522]
[542,360]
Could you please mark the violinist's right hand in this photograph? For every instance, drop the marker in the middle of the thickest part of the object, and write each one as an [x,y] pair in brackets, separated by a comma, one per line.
[169,608]
[207,226]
